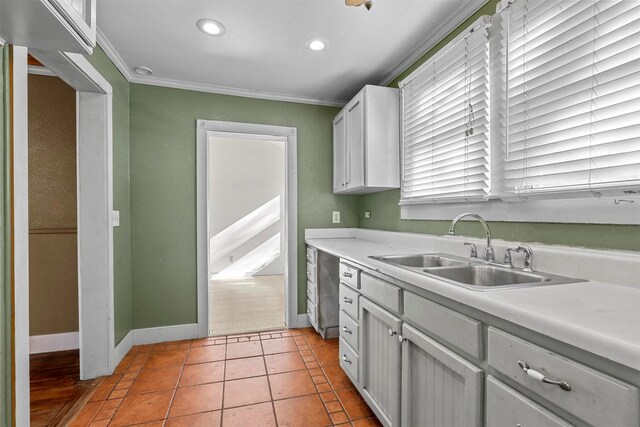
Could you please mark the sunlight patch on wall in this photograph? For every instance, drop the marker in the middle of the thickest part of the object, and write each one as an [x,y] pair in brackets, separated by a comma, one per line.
[244,230]
[252,262]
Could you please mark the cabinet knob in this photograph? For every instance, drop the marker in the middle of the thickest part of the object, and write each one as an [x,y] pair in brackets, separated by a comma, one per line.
[539,376]
[308,311]
[346,330]
[392,332]
[308,291]
[345,359]
[347,300]
[401,339]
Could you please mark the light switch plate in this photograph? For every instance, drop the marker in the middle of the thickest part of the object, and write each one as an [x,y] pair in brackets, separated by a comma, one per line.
[336,217]
[115,218]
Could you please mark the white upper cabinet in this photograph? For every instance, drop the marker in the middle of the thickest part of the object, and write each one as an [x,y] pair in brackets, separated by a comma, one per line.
[366,143]
[53,25]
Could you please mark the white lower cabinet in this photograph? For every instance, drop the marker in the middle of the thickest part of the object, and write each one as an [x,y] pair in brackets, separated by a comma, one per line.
[508,408]
[439,388]
[380,361]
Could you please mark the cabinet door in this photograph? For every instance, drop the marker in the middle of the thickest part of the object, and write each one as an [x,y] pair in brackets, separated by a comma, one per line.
[506,407]
[439,388]
[339,153]
[50,25]
[355,142]
[380,361]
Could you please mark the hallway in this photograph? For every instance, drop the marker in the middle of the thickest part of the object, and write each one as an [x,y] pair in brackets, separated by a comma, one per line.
[251,304]
[282,378]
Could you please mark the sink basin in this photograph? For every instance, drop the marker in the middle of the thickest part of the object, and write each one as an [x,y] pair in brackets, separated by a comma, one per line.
[474,274]
[487,275]
[421,260]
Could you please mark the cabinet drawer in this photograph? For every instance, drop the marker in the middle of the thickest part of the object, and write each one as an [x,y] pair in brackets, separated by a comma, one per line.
[349,330]
[506,407]
[311,273]
[594,397]
[312,255]
[455,328]
[312,292]
[349,360]
[349,301]
[350,275]
[381,292]
[312,313]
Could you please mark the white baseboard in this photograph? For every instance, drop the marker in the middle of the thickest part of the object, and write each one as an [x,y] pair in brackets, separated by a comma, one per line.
[303,321]
[121,350]
[165,333]
[54,342]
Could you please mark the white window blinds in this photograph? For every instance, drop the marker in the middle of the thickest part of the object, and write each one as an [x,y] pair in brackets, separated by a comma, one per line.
[445,123]
[573,96]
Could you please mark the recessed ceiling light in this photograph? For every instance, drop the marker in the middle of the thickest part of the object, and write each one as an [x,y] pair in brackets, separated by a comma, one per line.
[143,71]
[211,27]
[316,44]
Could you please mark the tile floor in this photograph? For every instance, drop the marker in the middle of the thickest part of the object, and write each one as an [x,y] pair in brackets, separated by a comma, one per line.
[285,378]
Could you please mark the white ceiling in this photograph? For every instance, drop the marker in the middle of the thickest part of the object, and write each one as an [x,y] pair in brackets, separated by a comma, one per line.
[263,52]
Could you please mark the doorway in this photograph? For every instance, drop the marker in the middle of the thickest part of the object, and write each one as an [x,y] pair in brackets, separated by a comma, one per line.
[53,263]
[93,97]
[247,227]
[246,217]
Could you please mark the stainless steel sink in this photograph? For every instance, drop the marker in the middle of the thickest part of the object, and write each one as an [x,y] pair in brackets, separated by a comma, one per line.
[421,260]
[476,275]
[487,275]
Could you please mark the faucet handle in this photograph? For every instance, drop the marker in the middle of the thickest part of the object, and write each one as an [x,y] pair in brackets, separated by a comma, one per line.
[474,250]
[507,257]
[528,256]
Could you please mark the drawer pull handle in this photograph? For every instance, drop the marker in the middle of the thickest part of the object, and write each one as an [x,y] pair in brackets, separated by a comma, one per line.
[347,300]
[344,357]
[346,330]
[347,274]
[540,377]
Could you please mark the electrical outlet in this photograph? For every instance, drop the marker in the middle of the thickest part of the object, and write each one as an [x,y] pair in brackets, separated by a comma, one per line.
[336,217]
[115,218]
[367,214]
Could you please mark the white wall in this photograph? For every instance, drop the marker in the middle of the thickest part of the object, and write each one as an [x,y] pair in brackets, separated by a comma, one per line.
[246,198]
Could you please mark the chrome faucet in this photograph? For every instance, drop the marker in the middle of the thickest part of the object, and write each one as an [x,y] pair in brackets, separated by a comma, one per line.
[488,253]
[528,257]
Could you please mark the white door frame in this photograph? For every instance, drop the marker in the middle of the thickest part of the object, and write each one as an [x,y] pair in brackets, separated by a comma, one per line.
[203,128]
[95,205]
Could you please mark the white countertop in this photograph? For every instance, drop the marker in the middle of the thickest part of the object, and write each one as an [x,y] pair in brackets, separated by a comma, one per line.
[601,318]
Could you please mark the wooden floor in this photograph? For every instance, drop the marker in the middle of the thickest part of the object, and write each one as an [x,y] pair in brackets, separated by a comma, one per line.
[246,305]
[55,386]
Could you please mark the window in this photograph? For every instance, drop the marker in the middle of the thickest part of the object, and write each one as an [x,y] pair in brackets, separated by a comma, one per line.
[445,123]
[573,97]
[562,81]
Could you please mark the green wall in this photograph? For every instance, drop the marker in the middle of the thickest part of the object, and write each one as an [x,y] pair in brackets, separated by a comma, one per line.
[121,199]
[385,212]
[163,190]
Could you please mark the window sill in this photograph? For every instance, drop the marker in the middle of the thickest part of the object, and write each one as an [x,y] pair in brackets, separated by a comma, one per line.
[581,211]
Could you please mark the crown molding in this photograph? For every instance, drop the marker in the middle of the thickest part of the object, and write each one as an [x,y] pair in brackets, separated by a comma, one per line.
[113,54]
[223,90]
[461,15]
[41,71]
[115,57]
